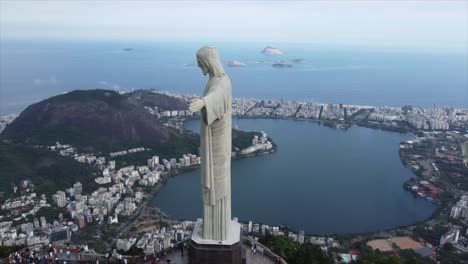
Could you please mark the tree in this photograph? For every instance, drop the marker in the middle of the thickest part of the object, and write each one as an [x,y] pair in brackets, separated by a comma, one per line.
[5,251]
[308,253]
[294,252]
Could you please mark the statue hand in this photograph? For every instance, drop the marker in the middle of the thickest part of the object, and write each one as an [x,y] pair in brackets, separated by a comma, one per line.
[196,105]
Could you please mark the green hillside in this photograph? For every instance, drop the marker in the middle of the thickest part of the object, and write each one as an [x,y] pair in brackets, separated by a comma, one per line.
[47,170]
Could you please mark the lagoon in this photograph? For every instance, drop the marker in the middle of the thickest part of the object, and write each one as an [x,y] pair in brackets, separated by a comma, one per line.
[321,180]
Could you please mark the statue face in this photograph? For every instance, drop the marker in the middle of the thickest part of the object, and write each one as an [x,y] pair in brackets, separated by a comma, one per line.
[203,67]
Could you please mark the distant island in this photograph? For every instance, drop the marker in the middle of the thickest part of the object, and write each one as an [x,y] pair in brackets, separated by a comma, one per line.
[271,51]
[235,63]
[297,61]
[128,49]
[281,65]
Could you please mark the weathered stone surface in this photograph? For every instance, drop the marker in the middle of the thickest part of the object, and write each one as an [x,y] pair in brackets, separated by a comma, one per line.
[216,138]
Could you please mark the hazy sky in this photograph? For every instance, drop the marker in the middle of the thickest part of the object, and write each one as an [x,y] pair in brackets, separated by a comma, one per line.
[430,23]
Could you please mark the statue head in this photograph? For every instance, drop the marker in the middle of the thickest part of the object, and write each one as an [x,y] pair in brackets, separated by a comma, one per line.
[208,60]
[203,66]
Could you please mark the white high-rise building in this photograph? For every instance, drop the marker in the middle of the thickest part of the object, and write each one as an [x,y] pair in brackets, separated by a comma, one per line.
[78,188]
[186,158]
[301,237]
[60,199]
[173,162]
[150,163]
[27,227]
[112,164]
[155,160]
[43,222]
[450,237]
[36,223]
[455,212]
[255,140]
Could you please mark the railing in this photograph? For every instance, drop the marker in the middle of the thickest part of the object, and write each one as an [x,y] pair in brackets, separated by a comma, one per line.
[265,250]
[90,256]
[130,259]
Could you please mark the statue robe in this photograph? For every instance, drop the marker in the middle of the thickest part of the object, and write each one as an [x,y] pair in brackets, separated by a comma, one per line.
[215,137]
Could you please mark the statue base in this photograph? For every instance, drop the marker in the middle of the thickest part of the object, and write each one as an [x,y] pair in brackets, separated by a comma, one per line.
[206,251]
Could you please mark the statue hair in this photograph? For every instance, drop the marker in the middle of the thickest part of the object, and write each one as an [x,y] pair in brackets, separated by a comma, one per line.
[209,55]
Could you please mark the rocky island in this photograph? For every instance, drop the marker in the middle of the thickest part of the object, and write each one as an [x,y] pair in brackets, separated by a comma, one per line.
[235,63]
[281,65]
[297,60]
[271,51]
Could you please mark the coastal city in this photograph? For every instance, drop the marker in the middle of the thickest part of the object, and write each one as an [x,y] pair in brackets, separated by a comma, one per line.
[416,118]
[117,218]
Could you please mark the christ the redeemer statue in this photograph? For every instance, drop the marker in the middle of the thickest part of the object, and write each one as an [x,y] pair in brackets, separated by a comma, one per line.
[215,137]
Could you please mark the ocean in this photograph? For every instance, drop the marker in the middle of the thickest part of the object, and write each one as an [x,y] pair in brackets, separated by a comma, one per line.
[31,71]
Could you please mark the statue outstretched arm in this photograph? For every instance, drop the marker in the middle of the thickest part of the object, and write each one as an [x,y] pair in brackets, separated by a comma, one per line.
[215,102]
[196,105]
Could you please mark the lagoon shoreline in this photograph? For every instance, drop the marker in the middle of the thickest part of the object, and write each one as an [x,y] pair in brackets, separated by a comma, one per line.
[331,124]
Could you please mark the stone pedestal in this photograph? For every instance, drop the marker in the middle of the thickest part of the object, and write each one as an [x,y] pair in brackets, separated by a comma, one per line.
[205,251]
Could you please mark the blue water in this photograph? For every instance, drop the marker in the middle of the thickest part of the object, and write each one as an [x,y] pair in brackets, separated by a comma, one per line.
[321,180]
[31,71]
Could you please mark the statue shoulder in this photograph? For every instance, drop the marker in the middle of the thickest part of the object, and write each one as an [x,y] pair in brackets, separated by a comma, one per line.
[219,81]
